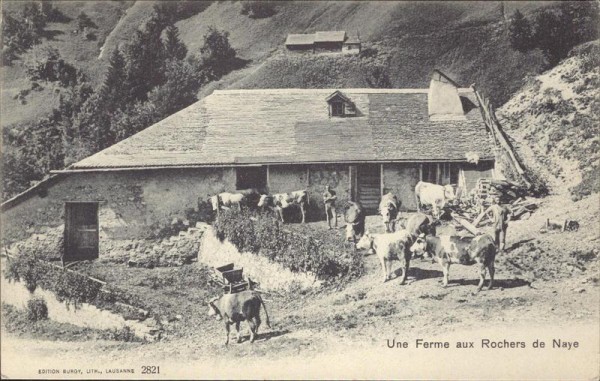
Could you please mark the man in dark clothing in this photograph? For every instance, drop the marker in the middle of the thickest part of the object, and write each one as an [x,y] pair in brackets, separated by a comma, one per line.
[500,216]
[329,198]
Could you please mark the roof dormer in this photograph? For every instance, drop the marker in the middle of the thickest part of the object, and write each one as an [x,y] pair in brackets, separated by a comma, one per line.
[340,105]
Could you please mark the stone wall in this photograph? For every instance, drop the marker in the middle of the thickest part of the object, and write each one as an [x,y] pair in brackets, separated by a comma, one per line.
[286,178]
[335,176]
[132,204]
[400,179]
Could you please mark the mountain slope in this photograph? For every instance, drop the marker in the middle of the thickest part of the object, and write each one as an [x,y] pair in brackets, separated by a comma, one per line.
[467,40]
[74,48]
[556,117]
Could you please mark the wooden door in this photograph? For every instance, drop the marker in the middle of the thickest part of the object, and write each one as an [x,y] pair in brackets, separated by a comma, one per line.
[368,186]
[81,231]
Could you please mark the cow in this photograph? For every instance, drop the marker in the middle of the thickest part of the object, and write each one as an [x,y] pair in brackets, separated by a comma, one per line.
[282,201]
[435,195]
[420,223]
[387,247]
[448,249]
[388,208]
[355,221]
[235,308]
[228,200]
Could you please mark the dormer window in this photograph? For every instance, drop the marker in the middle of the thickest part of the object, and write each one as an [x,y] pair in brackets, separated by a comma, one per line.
[340,105]
[337,108]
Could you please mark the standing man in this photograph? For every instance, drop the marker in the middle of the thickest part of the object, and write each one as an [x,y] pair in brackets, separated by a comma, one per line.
[500,216]
[329,198]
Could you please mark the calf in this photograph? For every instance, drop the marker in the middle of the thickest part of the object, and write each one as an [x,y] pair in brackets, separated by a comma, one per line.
[355,221]
[463,250]
[235,308]
[388,208]
[282,201]
[388,247]
[434,195]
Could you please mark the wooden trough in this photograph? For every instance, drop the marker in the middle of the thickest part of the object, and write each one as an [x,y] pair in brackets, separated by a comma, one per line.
[231,279]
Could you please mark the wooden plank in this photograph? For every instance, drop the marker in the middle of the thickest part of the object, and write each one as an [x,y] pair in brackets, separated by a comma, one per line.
[466,224]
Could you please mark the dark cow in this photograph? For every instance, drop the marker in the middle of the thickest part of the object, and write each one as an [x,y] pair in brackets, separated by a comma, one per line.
[463,250]
[282,201]
[355,221]
[235,308]
[388,208]
[420,223]
[388,247]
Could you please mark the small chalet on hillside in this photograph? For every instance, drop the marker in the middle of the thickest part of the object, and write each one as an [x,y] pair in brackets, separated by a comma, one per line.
[362,142]
[323,42]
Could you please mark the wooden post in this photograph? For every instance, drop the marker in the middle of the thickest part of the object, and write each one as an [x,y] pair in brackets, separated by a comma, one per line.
[268,179]
[381,183]
[420,171]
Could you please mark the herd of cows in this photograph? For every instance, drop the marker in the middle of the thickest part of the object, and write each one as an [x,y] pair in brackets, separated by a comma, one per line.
[416,238]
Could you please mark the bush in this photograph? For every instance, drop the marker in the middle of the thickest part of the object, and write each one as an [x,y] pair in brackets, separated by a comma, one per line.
[258,233]
[69,287]
[45,63]
[121,334]
[258,9]
[37,309]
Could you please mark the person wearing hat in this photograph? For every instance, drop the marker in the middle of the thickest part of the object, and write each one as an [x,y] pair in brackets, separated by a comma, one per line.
[329,198]
[500,216]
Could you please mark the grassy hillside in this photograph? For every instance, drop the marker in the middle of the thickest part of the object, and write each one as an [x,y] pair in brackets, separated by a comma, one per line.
[556,117]
[74,48]
[468,40]
[478,55]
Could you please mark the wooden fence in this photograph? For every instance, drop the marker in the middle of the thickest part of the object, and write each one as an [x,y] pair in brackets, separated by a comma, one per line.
[500,138]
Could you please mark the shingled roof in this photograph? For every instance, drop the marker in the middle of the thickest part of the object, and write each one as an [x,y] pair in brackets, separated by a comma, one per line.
[237,127]
[330,36]
[300,39]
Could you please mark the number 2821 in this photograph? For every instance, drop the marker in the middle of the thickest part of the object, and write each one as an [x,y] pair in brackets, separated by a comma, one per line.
[150,369]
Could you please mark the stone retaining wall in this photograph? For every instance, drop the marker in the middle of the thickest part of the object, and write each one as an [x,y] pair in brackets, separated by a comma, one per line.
[87,315]
[270,276]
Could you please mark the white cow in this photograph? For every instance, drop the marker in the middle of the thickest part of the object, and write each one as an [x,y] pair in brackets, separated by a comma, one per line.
[435,195]
[227,200]
[389,246]
[282,201]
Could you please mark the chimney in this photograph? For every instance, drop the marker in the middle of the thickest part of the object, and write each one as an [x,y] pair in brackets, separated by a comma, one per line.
[443,99]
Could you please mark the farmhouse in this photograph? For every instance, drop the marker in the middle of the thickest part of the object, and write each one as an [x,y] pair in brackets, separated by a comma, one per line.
[323,42]
[361,142]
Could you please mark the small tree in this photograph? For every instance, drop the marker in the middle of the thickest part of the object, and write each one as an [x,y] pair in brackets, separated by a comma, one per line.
[553,35]
[34,17]
[218,57]
[258,9]
[45,63]
[37,309]
[16,38]
[174,48]
[378,77]
[179,91]
[84,21]
[519,32]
